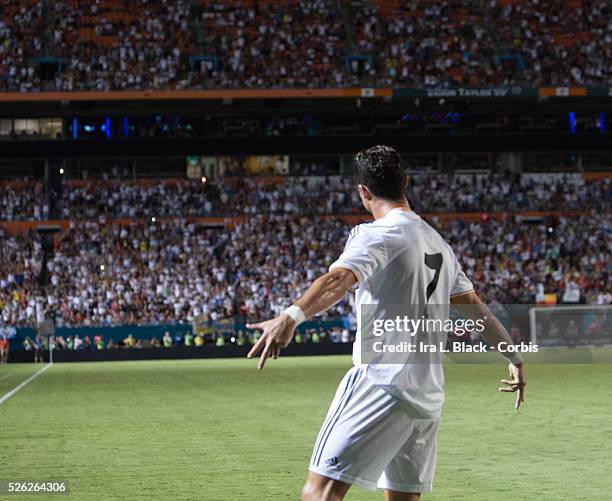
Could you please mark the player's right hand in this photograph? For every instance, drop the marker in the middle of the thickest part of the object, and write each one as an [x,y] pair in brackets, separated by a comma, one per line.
[517,383]
[277,334]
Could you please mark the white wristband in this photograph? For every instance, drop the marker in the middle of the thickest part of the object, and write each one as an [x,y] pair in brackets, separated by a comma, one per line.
[296,313]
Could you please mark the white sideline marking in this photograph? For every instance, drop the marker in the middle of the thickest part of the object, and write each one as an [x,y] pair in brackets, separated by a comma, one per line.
[5,376]
[24,383]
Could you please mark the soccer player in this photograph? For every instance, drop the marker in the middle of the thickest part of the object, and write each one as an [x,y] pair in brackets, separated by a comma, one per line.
[381,428]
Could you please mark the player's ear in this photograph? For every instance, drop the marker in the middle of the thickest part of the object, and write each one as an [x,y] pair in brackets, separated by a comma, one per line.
[405,183]
[364,192]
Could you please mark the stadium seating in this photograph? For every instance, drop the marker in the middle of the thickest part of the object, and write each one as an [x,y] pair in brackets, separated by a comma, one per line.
[116,44]
[140,271]
[331,196]
[172,271]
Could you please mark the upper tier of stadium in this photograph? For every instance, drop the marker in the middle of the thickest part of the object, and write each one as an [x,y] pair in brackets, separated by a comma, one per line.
[76,45]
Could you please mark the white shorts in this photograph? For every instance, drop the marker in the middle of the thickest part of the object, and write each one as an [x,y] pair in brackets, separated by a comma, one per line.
[370,439]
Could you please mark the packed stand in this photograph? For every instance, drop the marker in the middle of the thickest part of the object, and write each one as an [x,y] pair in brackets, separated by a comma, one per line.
[175,271]
[113,44]
[561,43]
[166,272]
[271,45]
[235,197]
[432,44]
[22,29]
[331,195]
[420,43]
[116,44]
[518,261]
[23,201]
[509,193]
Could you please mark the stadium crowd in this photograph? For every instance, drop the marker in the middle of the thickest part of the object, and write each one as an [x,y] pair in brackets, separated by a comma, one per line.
[565,44]
[511,261]
[95,45]
[507,192]
[176,270]
[432,44]
[116,44]
[23,201]
[330,195]
[301,43]
[244,196]
[165,272]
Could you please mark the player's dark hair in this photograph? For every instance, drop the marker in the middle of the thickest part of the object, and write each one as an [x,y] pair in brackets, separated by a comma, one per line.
[380,169]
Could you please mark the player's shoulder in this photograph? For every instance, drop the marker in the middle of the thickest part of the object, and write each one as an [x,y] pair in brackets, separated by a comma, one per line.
[360,232]
[365,235]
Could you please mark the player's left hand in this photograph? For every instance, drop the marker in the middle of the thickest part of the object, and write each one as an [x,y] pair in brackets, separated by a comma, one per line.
[277,334]
[516,384]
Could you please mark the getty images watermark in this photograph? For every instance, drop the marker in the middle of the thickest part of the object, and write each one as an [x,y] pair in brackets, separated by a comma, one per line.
[412,334]
[411,327]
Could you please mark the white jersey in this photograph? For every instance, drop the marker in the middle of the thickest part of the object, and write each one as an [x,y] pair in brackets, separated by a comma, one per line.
[389,257]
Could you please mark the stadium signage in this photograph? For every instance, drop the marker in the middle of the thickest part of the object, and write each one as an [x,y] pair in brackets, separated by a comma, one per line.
[469,92]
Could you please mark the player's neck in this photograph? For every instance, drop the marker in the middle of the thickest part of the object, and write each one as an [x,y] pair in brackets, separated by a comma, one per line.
[380,208]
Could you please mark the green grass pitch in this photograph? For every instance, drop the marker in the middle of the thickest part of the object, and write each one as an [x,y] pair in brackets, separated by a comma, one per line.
[220,430]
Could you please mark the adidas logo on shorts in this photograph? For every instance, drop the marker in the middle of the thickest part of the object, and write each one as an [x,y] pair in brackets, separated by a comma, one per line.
[331,461]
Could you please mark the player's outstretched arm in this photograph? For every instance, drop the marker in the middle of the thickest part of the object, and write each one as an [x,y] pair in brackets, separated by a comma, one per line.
[324,292]
[494,333]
